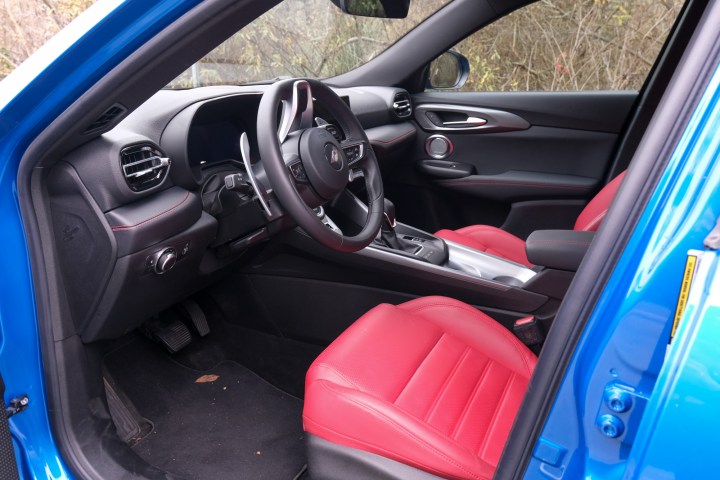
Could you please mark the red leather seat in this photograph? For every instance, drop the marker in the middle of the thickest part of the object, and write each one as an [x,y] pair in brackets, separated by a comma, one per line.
[432,383]
[503,244]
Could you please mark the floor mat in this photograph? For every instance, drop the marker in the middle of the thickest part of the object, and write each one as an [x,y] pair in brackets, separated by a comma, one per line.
[225,422]
[281,361]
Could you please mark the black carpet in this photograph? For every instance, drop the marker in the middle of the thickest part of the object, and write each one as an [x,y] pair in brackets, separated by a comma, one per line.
[281,361]
[237,426]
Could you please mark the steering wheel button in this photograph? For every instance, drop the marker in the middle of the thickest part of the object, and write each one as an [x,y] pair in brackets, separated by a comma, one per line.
[298,172]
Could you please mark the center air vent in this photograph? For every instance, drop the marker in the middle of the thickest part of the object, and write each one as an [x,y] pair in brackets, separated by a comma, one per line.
[143,166]
[402,105]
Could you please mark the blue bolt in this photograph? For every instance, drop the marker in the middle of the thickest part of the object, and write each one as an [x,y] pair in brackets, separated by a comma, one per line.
[618,400]
[611,426]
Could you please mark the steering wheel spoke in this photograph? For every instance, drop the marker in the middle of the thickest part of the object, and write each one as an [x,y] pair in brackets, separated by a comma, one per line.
[297,113]
[355,151]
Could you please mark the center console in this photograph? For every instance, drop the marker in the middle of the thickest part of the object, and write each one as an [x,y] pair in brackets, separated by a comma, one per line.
[412,243]
[410,261]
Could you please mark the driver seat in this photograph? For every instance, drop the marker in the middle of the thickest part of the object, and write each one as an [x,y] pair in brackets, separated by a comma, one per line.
[506,245]
[427,388]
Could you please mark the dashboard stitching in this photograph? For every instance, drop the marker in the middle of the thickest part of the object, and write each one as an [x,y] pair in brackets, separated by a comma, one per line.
[399,137]
[502,183]
[154,217]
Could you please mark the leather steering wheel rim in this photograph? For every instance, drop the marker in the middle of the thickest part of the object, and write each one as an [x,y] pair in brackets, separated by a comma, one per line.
[282,181]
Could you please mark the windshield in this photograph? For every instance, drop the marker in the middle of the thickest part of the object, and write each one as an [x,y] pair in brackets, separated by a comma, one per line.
[301,38]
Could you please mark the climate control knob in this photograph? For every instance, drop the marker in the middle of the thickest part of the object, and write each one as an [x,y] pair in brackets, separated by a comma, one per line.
[165,260]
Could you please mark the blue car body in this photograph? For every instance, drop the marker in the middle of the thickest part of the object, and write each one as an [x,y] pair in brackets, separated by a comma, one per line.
[673,390]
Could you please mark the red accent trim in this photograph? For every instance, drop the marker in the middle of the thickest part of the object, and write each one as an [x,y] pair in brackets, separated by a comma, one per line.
[432,383]
[128,227]
[502,183]
[399,137]
[525,320]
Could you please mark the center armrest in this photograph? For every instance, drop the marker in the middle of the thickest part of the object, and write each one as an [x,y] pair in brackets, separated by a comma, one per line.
[558,249]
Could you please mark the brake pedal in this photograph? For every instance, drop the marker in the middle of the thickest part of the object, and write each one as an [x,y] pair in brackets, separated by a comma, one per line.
[194,314]
[174,335]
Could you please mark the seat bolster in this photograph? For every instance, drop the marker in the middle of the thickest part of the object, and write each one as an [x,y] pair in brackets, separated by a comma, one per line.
[376,426]
[489,239]
[478,330]
[594,212]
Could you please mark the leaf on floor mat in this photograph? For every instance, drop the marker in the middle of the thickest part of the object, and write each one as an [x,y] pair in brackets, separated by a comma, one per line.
[207,379]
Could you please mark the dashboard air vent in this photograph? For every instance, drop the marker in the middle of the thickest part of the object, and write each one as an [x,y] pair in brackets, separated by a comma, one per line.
[143,166]
[106,118]
[402,105]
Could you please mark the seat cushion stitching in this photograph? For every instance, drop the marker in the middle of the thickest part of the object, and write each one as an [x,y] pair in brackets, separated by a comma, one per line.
[445,385]
[506,333]
[424,359]
[466,409]
[403,430]
[495,416]
[341,375]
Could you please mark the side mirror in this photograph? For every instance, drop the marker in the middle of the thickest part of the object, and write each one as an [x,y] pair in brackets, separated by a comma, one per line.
[449,71]
[374,8]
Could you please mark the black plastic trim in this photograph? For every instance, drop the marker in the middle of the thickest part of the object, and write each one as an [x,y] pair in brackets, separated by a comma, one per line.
[559,249]
[150,220]
[330,461]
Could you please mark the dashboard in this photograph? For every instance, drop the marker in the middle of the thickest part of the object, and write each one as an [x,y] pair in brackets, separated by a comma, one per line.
[152,210]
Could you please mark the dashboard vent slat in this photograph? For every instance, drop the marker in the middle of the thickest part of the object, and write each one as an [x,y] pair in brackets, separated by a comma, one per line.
[402,105]
[108,117]
[143,167]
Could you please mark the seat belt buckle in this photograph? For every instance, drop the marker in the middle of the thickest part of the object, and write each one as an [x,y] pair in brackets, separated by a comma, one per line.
[528,331]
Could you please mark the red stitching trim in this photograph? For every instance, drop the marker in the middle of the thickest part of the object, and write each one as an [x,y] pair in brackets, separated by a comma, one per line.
[502,183]
[409,132]
[128,227]
[564,242]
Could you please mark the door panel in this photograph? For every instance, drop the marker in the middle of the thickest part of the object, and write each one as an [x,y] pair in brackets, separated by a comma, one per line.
[543,149]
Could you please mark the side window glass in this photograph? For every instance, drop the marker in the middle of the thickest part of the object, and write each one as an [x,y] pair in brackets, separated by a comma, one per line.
[567,45]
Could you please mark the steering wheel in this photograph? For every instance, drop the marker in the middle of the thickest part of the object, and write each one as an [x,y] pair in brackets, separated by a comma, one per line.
[308,166]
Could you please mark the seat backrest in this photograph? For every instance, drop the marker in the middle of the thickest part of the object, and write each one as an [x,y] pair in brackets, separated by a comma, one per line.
[592,215]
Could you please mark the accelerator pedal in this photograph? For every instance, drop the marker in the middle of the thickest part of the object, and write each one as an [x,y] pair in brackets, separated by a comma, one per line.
[192,312]
[172,334]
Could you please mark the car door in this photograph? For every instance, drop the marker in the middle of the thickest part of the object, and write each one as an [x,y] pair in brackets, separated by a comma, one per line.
[549,94]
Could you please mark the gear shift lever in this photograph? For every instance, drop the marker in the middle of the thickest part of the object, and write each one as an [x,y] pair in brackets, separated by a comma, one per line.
[409,240]
[389,215]
[387,231]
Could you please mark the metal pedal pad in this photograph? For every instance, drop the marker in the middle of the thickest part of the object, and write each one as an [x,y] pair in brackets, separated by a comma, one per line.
[173,335]
[192,312]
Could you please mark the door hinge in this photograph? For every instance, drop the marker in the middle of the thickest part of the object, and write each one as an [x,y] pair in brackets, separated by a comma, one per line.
[17,405]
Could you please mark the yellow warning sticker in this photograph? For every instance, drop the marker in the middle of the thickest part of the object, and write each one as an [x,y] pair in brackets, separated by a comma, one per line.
[688,275]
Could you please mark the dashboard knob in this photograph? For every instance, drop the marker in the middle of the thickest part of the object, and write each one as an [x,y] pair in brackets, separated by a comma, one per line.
[165,261]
